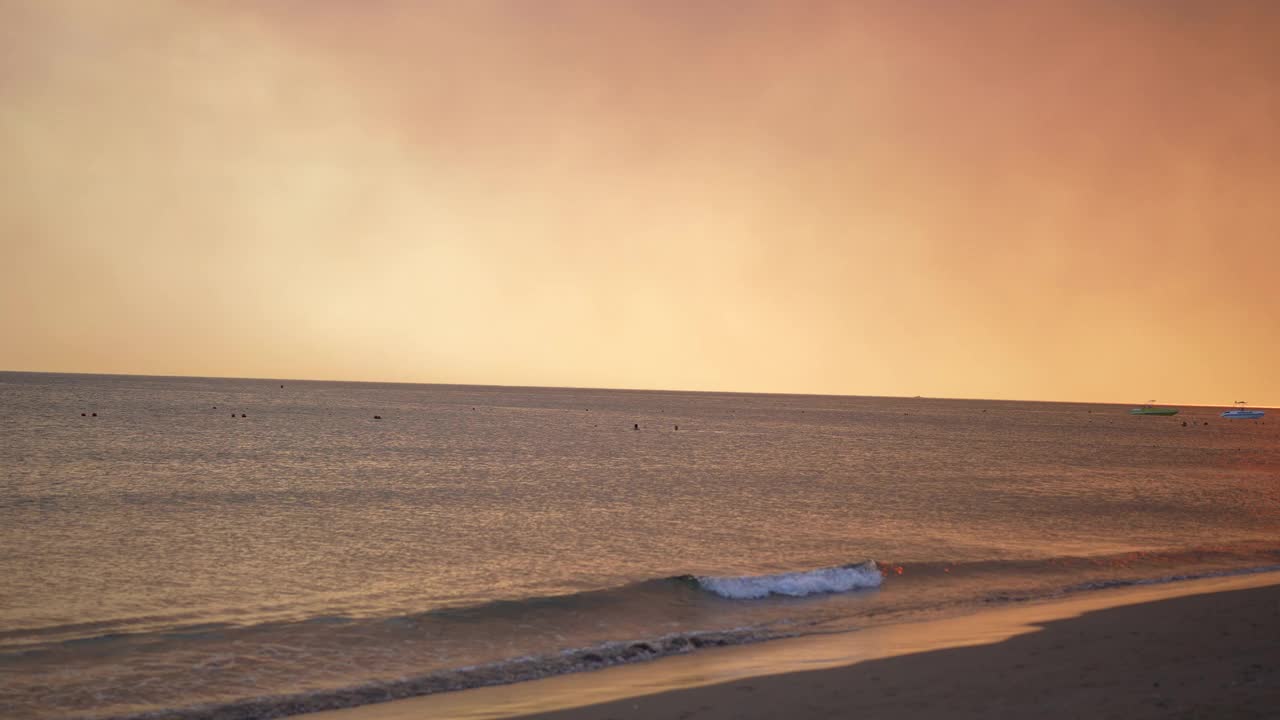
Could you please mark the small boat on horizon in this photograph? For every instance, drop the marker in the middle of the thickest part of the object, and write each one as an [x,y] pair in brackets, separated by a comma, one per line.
[1242,413]
[1150,409]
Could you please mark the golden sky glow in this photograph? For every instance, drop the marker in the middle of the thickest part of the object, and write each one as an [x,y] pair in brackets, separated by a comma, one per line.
[1074,200]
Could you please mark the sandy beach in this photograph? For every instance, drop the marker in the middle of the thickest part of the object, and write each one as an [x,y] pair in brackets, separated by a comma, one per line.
[1194,649]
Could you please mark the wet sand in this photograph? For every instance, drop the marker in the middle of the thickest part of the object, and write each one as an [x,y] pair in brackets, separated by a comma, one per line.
[1207,648]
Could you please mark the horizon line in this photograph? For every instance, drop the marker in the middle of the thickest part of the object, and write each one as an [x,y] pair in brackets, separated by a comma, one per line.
[631,389]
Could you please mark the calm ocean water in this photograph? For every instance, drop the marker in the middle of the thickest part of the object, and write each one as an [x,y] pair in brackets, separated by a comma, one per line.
[170,556]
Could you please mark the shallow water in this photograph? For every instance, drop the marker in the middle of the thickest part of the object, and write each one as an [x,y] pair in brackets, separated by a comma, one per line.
[166,554]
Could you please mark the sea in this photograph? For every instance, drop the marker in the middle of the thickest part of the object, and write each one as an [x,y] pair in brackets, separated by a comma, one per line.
[231,548]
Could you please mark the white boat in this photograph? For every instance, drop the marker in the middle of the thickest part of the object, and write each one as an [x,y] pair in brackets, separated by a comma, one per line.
[1242,413]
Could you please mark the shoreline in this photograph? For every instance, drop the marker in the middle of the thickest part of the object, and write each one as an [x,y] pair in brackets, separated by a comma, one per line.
[1088,654]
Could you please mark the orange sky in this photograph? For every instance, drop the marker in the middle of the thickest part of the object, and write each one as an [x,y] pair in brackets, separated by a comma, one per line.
[1073,201]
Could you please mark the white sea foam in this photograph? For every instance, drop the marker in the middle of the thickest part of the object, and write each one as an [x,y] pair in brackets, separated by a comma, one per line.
[796,584]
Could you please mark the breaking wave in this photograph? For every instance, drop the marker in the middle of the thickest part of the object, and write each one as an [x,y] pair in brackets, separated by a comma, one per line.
[795,584]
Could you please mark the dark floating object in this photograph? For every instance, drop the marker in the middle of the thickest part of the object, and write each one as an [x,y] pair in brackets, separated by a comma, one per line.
[636,426]
[83,415]
[95,414]
[215,407]
[1184,423]
[243,415]
[377,417]
[281,386]
[677,427]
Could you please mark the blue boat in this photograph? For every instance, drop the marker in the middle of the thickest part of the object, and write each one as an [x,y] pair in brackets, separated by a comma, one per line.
[1242,413]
